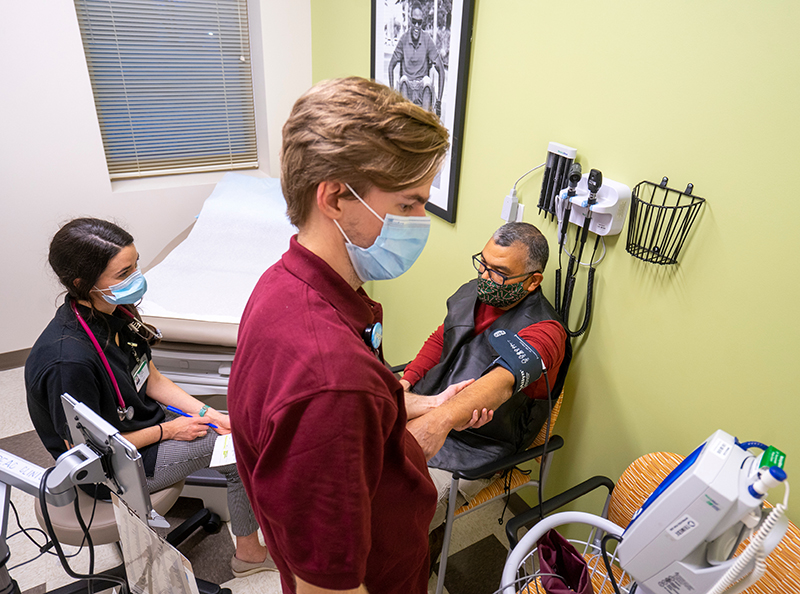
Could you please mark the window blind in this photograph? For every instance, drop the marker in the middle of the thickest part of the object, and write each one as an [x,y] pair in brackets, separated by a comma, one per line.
[172,84]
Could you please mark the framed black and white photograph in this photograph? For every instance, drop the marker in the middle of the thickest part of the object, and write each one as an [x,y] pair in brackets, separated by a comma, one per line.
[421,48]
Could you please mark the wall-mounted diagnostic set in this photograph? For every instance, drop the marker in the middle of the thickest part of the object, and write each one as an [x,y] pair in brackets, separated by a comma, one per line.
[660,219]
[594,205]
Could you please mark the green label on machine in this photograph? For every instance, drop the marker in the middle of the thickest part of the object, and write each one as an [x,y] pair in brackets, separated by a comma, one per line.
[773,457]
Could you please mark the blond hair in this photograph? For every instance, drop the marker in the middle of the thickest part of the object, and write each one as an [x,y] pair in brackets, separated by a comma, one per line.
[357,131]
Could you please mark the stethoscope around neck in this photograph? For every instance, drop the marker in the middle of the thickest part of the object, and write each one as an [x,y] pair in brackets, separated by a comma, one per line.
[124,412]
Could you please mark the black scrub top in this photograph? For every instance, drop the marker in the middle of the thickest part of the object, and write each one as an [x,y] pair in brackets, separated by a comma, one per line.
[64,360]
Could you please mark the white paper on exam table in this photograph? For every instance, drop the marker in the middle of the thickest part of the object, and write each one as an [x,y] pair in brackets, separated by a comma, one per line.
[241,231]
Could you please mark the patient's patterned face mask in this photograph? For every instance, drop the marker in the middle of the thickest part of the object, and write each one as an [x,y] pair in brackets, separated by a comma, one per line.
[490,293]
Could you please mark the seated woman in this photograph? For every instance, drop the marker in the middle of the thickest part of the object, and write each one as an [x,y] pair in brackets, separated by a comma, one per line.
[97,349]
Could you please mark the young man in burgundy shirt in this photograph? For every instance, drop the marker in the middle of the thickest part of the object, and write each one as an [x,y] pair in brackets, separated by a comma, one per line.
[334,469]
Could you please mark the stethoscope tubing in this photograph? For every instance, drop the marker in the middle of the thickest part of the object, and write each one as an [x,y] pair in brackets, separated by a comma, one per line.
[100,352]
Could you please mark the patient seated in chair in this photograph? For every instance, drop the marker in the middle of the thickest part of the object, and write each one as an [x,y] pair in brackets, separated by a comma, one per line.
[506,295]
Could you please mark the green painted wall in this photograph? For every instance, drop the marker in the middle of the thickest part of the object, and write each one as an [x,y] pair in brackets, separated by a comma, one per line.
[703,92]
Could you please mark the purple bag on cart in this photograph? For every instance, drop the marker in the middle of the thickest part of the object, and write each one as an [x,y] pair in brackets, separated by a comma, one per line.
[558,556]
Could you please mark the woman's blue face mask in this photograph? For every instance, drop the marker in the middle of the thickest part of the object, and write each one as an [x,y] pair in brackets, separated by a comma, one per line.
[398,246]
[131,290]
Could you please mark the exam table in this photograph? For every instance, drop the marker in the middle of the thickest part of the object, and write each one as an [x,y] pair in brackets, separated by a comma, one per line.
[196,294]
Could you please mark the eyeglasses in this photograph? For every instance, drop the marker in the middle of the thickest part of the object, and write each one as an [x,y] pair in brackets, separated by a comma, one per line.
[494,276]
[416,22]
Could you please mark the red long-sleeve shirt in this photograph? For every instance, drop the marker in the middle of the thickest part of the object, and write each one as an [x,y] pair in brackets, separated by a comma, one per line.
[547,337]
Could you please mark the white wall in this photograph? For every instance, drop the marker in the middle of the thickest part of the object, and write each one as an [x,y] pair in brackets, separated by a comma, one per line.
[52,165]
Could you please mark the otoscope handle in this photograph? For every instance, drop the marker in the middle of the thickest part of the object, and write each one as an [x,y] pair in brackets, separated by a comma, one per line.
[585,231]
[562,236]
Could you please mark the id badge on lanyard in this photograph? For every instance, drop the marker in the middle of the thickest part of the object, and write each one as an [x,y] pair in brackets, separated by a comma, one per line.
[140,373]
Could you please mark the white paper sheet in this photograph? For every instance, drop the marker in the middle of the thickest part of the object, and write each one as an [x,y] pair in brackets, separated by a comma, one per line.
[241,231]
[223,451]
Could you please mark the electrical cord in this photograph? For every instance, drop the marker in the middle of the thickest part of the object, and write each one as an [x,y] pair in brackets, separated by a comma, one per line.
[526,174]
[607,563]
[570,286]
[25,531]
[546,439]
[86,536]
[57,545]
[507,477]
[592,262]
[588,310]
[563,208]
[43,548]
[589,294]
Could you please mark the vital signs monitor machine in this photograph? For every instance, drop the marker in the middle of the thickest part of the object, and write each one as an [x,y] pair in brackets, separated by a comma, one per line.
[684,538]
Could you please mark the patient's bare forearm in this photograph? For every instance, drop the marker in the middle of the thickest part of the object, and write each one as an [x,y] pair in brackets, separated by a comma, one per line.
[489,392]
[483,395]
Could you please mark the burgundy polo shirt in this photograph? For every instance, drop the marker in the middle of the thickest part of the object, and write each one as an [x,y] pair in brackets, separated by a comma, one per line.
[340,488]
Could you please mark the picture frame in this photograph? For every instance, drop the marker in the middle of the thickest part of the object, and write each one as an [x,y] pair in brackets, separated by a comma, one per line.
[424,41]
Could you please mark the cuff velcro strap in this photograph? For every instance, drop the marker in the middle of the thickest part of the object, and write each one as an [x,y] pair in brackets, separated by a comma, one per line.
[517,356]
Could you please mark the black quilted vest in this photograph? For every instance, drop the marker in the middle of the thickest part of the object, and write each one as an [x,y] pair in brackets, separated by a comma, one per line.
[464,356]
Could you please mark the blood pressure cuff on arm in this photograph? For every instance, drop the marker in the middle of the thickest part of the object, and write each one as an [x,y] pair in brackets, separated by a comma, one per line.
[516,355]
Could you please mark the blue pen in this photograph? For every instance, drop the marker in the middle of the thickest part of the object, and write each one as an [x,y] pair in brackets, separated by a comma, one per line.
[178,411]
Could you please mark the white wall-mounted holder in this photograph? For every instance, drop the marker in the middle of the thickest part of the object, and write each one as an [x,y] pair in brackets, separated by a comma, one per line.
[608,213]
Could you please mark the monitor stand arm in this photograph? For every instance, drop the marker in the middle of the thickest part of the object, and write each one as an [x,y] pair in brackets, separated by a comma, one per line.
[80,465]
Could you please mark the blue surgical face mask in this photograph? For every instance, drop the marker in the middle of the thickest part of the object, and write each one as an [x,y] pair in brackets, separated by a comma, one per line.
[130,290]
[400,243]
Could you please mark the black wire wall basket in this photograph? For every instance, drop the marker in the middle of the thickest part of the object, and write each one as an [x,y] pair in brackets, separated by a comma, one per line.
[660,219]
